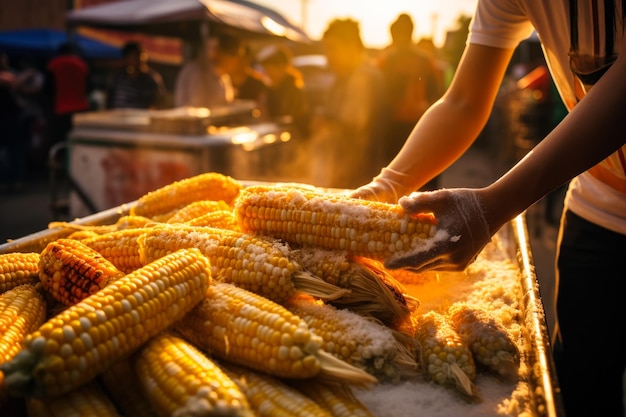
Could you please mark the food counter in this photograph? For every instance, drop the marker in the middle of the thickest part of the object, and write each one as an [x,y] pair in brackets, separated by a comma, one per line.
[116,156]
[534,393]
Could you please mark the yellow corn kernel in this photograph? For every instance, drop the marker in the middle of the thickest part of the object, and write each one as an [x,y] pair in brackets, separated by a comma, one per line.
[444,357]
[69,271]
[245,328]
[18,268]
[180,380]
[197,209]
[359,341]
[85,339]
[302,218]
[22,311]
[271,397]
[122,223]
[490,342]
[86,400]
[119,247]
[338,399]
[256,264]
[220,219]
[121,383]
[372,292]
[174,196]
[82,234]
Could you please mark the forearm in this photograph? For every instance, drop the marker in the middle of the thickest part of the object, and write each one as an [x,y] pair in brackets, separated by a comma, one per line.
[590,133]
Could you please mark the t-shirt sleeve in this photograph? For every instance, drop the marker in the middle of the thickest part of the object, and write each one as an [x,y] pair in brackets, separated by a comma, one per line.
[499,23]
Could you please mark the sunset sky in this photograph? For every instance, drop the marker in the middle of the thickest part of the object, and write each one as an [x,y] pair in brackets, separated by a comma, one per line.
[431,17]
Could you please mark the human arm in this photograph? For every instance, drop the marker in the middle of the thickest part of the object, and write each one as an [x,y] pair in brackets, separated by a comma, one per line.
[591,132]
[447,129]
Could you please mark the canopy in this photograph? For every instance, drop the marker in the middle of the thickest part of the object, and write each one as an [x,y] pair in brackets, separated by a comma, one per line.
[45,43]
[183,18]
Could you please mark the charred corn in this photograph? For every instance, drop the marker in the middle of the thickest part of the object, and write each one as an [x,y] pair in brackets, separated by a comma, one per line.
[181,381]
[18,268]
[85,339]
[119,247]
[330,221]
[490,343]
[86,400]
[242,327]
[364,343]
[259,265]
[70,271]
[174,196]
[445,359]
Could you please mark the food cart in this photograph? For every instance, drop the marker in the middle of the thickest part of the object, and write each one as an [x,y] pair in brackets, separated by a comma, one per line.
[118,155]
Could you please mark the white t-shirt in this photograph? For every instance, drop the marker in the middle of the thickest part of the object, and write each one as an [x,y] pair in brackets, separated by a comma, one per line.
[504,24]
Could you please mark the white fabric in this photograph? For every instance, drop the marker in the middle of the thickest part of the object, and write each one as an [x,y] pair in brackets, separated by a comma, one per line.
[505,23]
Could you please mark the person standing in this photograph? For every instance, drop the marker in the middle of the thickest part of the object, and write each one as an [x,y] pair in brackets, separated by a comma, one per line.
[199,82]
[286,100]
[584,44]
[137,85]
[348,135]
[412,85]
[68,80]
[11,164]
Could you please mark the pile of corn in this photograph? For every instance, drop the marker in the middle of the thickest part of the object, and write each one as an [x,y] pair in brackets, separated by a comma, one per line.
[210,298]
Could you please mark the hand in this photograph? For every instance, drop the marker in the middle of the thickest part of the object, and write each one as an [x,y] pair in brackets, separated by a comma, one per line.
[387,187]
[460,216]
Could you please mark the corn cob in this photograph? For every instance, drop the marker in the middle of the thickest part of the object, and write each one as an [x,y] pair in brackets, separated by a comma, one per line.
[371,229]
[121,383]
[22,310]
[119,247]
[271,397]
[220,219]
[256,264]
[18,268]
[373,293]
[339,399]
[86,400]
[361,342]
[174,196]
[85,339]
[444,357]
[487,338]
[82,234]
[69,271]
[197,209]
[123,223]
[180,381]
[245,328]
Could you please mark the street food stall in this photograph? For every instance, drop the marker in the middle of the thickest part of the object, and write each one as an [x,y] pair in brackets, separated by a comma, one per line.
[502,279]
[118,155]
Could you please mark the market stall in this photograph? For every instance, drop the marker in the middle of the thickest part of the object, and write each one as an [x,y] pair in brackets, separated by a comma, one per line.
[503,272]
[116,156]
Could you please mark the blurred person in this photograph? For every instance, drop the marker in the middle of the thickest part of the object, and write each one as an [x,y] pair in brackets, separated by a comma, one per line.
[68,84]
[200,82]
[286,99]
[412,84]
[11,165]
[248,82]
[137,85]
[30,84]
[585,48]
[348,136]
